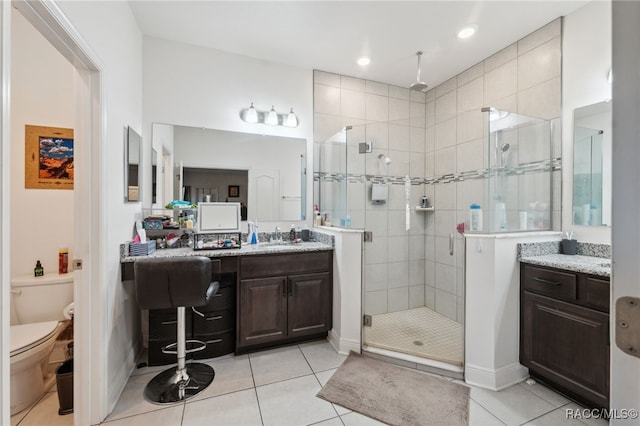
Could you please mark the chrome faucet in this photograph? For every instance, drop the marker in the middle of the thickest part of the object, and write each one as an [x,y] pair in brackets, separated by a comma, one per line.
[278,235]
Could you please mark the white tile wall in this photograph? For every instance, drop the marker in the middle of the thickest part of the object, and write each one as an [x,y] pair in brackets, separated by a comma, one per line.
[375,277]
[377,107]
[445,133]
[352,103]
[501,82]
[376,88]
[539,64]
[416,296]
[398,299]
[429,135]
[417,274]
[398,274]
[399,137]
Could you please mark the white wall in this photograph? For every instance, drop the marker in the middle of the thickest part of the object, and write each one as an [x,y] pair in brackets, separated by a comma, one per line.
[586,60]
[111,32]
[41,94]
[193,86]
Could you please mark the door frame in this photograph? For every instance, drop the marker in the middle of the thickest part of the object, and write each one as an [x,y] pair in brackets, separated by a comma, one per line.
[90,228]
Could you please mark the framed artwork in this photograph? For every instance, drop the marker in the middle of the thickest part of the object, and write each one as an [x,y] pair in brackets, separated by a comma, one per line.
[49,159]
[234,191]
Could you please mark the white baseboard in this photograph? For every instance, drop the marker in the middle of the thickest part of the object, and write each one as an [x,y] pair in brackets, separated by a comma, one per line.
[495,379]
[343,346]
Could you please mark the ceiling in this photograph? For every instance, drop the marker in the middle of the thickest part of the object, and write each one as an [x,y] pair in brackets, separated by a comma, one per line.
[332,35]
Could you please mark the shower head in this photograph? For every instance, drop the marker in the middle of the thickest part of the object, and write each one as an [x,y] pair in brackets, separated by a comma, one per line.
[419,86]
[387,160]
[504,147]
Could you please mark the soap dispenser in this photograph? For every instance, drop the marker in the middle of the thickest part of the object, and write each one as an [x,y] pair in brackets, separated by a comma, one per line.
[38,271]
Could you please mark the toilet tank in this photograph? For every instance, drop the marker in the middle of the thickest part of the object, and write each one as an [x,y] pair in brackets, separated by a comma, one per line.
[37,299]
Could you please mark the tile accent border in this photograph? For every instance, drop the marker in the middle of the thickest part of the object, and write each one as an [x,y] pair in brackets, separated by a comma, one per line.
[550,165]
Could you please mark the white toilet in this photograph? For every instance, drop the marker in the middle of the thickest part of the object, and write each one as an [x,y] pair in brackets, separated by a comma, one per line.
[38,307]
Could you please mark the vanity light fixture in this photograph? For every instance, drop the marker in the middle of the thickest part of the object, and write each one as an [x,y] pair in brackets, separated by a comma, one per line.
[271,117]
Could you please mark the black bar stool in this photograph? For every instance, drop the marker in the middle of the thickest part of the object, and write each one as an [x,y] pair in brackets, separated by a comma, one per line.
[177,282]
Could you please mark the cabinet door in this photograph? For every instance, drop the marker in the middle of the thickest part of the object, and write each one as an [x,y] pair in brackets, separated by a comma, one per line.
[262,316]
[310,298]
[568,345]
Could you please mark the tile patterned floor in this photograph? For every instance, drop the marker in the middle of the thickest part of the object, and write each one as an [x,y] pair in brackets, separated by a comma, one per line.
[420,332]
[278,387]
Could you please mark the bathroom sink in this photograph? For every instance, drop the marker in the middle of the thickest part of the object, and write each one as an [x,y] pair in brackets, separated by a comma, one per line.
[278,243]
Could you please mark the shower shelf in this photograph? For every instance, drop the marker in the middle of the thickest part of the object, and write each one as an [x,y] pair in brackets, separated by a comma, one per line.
[425,209]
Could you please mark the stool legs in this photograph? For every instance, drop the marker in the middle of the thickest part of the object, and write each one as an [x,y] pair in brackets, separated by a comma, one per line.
[184,381]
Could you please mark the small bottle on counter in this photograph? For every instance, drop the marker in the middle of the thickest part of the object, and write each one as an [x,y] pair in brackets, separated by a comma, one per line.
[38,271]
[292,233]
[63,261]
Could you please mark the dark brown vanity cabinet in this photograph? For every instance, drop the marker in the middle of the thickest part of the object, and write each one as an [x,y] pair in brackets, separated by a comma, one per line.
[215,324]
[284,298]
[564,331]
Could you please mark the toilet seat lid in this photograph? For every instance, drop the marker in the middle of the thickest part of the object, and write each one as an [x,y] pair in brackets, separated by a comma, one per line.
[25,336]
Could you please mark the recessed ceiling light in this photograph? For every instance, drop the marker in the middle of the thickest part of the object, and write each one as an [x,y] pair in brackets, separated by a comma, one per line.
[364,61]
[467,31]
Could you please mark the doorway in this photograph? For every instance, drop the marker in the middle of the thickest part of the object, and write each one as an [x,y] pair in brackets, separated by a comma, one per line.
[48,20]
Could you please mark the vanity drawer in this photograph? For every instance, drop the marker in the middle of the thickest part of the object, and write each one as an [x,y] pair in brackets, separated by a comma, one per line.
[550,283]
[285,264]
[225,298]
[214,322]
[163,323]
[218,344]
[595,293]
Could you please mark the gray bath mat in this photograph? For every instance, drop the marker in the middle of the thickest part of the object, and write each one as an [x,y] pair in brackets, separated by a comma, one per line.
[396,395]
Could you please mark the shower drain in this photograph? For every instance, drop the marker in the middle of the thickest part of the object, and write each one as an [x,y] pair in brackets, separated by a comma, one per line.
[418,343]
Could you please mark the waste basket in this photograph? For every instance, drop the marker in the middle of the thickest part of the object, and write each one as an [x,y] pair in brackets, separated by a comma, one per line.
[64,382]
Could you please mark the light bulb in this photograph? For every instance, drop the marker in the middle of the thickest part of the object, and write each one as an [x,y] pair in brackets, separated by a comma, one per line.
[272,117]
[251,115]
[292,119]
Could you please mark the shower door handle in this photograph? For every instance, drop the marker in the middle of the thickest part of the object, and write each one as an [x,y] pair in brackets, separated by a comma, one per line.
[450,244]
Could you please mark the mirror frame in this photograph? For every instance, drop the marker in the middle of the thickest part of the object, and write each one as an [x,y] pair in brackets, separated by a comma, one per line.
[131,139]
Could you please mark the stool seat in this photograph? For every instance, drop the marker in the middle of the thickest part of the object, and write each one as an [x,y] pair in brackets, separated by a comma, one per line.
[177,282]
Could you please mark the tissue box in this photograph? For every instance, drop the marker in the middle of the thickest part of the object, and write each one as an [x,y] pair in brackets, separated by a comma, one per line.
[142,249]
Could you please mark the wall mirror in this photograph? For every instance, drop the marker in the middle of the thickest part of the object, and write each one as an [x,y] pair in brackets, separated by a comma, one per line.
[592,165]
[154,176]
[267,174]
[132,169]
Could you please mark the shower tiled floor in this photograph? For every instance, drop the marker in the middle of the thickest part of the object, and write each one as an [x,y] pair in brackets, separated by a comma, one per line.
[420,332]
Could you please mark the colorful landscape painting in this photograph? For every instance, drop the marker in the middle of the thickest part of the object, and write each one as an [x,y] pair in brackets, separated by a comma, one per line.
[49,157]
[56,158]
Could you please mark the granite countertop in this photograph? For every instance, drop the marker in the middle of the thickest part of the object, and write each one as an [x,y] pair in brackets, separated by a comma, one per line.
[586,264]
[245,250]
[594,259]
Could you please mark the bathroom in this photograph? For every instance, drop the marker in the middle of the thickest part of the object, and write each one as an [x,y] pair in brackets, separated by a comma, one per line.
[184,112]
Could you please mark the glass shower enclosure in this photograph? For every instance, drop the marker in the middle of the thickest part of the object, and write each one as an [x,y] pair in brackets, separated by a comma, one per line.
[373,176]
[519,180]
